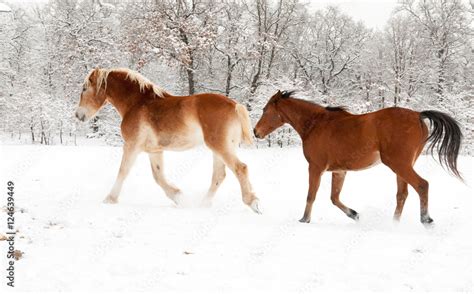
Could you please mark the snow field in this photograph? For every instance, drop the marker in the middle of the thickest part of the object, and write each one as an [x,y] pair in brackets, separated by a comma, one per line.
[72,241]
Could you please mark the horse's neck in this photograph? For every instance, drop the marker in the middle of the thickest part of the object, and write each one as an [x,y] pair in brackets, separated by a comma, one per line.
[300,116]
[121,95]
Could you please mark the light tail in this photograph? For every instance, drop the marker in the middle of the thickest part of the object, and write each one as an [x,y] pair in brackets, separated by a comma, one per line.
[244,119]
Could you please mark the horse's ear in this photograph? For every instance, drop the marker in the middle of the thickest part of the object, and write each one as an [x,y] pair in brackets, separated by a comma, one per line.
[287,94]
[278,94]
[92,76]
[92,72]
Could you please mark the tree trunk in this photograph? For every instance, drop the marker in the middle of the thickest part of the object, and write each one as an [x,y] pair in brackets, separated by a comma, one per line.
[42,135]
[270,62]
[411,86]
[440,85]
[32,134]
[324,84]
[254,84]
[441,75]
[61,133]
[228,81]
[190,74]
[396,90]
[396,96]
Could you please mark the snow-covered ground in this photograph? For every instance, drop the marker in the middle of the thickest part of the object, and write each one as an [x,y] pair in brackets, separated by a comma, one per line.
[71,241]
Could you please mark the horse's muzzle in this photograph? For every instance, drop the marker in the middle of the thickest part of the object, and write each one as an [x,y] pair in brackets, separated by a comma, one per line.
[256,134]
[81,114]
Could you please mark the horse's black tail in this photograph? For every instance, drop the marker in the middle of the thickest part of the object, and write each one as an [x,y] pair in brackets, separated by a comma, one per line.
[446,136]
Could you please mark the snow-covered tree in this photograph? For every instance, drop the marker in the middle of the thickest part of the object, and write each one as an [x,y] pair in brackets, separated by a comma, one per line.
[422,59]
[329,45]
[175,30]
[445,24]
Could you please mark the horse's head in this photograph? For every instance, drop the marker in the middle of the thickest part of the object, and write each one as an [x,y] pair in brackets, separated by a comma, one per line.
[93,94]
[271,118]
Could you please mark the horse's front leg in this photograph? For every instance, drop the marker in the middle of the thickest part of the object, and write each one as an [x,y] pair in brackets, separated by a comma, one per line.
[314,180]
[128,158]
[156,161]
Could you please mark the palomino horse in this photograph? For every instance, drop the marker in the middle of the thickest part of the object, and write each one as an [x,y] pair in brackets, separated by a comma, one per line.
[154,121]
[337,141]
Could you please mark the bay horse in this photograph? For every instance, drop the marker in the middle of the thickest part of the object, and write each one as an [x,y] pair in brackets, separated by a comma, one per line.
[337,141]
[154,121]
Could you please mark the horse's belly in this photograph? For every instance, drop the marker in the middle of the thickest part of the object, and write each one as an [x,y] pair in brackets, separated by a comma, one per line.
[355,163]
[176,141]
[370,162]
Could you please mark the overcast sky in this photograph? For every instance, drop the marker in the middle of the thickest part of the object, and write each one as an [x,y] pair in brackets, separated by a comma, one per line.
[374,13]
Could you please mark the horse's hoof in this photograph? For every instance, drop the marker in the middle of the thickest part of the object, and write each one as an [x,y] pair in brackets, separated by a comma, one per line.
[255,206]
[177,192]
[172,192]
[206,202]
[110,200]
[177,199]
[427,222]
[353,214]
[305,220]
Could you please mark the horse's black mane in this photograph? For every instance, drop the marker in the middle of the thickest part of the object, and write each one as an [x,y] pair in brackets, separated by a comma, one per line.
[288,94]
[336,108]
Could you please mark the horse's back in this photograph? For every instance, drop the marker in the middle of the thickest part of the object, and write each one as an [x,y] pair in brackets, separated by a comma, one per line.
[395,124]
[355,142]
[182,122]
[213,100]
[400,131]
[219,120]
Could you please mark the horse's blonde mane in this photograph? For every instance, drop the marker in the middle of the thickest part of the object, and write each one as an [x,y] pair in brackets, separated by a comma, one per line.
[143,82]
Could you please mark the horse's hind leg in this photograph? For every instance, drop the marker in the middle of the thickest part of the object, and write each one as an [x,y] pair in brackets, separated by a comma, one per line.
[241,172]
[223,139]
[408,174]
[336,187]
[218,176]
[402,193]
[128,158]
[421,186]
[156,161]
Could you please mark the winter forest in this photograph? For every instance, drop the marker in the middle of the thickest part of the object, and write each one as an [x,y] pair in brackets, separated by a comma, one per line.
[422,59]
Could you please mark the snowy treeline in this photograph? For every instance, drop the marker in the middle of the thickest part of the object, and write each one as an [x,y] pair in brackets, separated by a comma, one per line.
[422,59]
